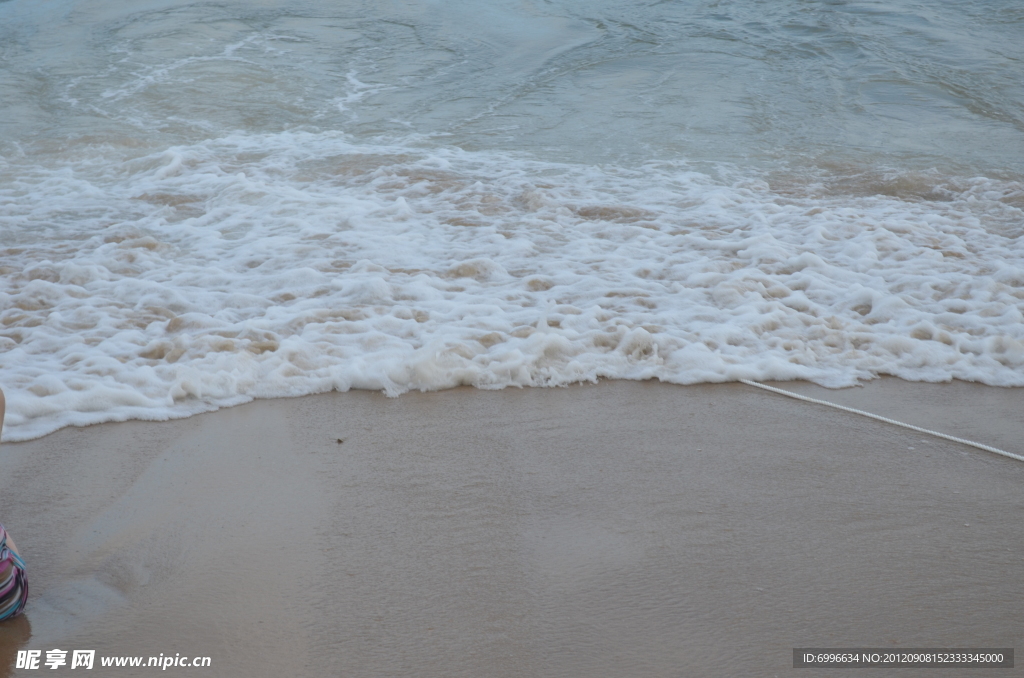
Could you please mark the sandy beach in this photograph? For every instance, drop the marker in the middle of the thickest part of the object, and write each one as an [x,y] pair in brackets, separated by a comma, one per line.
[230,230]
[619,529]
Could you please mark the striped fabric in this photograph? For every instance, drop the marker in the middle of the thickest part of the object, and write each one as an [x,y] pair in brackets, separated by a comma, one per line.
[13,584]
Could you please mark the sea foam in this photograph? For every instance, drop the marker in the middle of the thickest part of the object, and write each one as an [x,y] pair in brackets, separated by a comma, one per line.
[267,265]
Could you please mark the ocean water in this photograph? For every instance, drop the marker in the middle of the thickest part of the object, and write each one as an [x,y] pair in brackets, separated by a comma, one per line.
[202,203]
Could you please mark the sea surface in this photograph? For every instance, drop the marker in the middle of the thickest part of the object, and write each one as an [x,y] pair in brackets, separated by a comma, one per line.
[202,203]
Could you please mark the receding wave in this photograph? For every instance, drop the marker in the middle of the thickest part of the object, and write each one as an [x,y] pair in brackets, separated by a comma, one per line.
[264,265]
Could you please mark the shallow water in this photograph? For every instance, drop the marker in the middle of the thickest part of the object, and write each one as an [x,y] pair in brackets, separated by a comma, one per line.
[203,203]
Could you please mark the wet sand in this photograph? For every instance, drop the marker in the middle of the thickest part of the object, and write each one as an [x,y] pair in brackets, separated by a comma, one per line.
[620,529]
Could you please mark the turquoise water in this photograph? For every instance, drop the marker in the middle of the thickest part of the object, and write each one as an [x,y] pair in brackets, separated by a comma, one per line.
[907,85]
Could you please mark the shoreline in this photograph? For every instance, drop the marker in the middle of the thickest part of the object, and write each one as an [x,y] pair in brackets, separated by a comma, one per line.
[623,528]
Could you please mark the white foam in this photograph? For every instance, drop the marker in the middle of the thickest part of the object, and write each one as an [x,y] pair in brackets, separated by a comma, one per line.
[270,265]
